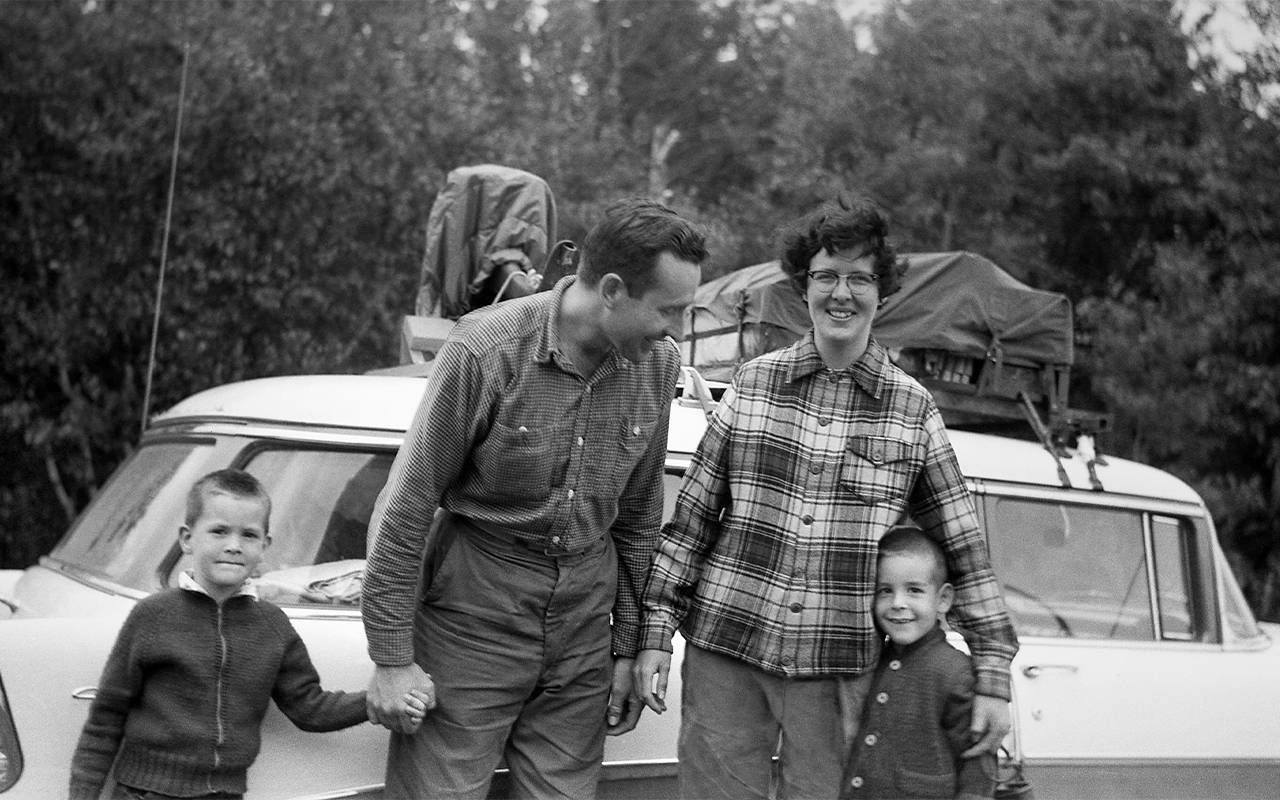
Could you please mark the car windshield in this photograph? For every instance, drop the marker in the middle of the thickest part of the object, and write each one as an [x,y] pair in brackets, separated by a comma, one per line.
[132,525]
[322,498]
[321,503]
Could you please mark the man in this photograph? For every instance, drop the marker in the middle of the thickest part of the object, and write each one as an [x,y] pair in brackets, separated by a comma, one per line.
[768,564]
[541,436]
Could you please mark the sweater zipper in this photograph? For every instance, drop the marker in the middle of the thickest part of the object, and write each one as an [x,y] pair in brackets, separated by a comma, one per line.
[222,665]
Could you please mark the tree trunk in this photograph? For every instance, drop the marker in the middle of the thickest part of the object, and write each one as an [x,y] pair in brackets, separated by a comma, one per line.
[664,137]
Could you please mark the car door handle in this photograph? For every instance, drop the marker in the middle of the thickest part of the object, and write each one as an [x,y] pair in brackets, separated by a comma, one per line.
[1036,670]
[84,693]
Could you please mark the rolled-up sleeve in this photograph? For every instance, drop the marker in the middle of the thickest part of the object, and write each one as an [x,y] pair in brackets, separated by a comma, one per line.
[942,506]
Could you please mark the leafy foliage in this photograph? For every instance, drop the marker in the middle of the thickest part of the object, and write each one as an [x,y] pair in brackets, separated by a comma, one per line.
[1101,149]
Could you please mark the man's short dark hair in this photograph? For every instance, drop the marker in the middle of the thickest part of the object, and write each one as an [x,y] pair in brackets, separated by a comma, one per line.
[235,482]
[908,540]
[629,238]
[848,222]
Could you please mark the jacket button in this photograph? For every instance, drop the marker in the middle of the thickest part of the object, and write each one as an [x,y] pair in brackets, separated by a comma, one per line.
[856,782]
[807,519]
[870,740]
[796,607]
[895,664]
[882,698]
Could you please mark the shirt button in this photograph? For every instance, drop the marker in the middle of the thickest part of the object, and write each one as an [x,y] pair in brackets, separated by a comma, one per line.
[815,469]
[635,431]
[870,740]
[807,519]
[882,698]
[796,607]
[856,782]
[555,540]
[822,423]
[523,429]
[569,494]
[580,441]
[895,664]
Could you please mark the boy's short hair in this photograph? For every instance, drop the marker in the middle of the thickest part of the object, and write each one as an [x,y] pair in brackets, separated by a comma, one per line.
[907,540]
[235,482]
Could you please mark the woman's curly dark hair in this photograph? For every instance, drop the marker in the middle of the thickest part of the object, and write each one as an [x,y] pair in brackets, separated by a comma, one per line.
[846,223]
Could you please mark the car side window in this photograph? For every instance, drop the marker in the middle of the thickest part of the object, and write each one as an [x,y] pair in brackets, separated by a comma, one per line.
[321,501]
[1172,545]
[1072,571]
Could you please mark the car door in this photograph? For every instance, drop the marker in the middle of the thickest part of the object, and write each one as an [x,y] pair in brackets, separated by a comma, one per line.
[1124,684]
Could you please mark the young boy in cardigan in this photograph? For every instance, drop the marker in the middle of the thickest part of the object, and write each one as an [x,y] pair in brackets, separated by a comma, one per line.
[185,689]
[915,721]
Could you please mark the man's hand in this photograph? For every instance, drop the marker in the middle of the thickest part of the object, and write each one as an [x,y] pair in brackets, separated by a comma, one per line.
[990,722]
[390,693]
[624,709]
[649,676]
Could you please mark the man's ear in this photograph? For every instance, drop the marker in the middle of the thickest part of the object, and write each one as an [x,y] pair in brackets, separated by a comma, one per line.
[184,539]
[613,289]
[946,596]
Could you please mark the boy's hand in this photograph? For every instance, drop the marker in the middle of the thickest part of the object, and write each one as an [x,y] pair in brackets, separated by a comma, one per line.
[417,703]
[990,723]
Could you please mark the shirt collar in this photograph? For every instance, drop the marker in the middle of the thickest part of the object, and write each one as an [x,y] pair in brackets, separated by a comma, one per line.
[932,637]
[549,341]
[868,371]
[188,581]
[549,336]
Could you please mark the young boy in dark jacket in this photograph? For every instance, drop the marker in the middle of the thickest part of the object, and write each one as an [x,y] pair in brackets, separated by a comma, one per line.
[185,689]
[916,718]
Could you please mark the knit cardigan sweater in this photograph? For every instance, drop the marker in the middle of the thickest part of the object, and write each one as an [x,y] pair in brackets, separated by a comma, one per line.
[184,691]
[915,724]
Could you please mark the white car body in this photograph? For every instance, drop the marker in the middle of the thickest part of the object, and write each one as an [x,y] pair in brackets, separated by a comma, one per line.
[1171,692]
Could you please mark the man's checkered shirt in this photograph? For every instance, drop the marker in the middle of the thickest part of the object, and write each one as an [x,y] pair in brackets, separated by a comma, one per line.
[510,435]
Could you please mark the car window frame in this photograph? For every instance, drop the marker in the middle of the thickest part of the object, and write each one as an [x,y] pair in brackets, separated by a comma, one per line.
[1204,578]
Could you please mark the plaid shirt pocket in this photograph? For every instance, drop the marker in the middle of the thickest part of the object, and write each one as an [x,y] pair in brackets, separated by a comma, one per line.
[877,470]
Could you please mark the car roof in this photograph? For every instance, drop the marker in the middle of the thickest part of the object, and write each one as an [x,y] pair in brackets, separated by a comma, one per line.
[388,403]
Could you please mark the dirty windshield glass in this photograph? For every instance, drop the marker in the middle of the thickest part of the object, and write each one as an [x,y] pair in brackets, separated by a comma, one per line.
[321,501]
[132,525]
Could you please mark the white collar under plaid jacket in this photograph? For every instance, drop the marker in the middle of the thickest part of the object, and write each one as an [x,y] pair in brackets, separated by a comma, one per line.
[770,555]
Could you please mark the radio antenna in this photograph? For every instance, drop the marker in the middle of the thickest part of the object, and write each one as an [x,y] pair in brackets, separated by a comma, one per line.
[164,244]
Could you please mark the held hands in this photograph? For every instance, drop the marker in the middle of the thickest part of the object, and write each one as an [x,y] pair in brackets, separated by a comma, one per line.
[990,723]
[624,709]
[400,697]
[649,675]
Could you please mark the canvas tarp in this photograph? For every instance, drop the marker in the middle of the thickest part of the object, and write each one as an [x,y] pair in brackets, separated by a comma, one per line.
[957,302]
[484,214]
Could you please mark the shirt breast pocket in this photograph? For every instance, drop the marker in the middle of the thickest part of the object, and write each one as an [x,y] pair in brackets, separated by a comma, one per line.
[521,461]
[877,470]
[634,438]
